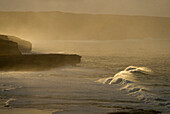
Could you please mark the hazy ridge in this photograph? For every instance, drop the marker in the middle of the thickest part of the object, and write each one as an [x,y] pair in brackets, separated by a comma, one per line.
[69,26]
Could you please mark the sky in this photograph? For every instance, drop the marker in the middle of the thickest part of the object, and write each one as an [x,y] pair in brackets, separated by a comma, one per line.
[122,7]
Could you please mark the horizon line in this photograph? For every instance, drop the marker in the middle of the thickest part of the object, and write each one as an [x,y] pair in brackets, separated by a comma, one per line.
[81,13]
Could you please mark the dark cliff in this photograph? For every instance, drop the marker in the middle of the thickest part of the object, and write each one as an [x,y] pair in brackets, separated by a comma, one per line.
[8,48]
[11,58]
[37,61]
[23,46]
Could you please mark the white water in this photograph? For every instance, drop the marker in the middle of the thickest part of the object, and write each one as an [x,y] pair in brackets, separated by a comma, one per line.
[127,82]
[77,89]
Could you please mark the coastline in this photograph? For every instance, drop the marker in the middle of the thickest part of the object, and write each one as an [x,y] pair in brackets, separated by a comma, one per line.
[12,57]
[26,111]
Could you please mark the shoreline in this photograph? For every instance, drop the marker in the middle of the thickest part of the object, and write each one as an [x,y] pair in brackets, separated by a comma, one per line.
[27,111]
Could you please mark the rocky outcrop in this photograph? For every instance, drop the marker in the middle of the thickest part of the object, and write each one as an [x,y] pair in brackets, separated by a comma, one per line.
[23,46]
[8,48]
[11,57]
[37,61]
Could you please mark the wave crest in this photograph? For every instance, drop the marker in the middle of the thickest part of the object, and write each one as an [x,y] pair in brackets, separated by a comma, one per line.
[126,80]
[126,76]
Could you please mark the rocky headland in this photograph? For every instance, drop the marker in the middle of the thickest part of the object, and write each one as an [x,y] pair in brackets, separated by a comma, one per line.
[15,54]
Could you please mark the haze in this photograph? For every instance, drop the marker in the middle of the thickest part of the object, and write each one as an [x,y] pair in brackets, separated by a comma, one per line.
[84,56]
[122,7]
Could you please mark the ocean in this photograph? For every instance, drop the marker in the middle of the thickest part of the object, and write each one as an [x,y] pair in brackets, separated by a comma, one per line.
[113,76]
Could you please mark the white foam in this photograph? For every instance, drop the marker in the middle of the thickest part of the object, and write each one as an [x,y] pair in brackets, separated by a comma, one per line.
[126,76]
[7,103]
[126,79]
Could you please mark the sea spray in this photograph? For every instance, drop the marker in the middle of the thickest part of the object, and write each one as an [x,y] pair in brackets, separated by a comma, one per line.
[126,79]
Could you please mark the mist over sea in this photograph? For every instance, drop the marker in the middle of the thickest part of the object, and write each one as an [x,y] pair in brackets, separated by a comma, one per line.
[113,76]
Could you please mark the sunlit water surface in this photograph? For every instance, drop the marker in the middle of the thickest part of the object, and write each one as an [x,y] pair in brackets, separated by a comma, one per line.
[113,76]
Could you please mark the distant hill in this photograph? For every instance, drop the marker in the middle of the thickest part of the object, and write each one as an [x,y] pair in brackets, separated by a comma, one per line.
[68,26]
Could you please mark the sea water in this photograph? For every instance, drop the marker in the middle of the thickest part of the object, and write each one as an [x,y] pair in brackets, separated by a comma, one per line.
[113,76]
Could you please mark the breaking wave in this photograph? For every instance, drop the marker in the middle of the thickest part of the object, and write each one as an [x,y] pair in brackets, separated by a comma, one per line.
[127,81]
[126,76]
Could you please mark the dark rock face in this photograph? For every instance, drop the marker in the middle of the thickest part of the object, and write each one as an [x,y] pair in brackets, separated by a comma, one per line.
[11,58]
[9,48]
[23,46]
[37,61]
